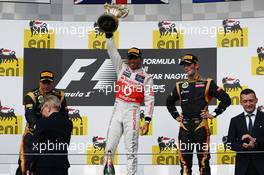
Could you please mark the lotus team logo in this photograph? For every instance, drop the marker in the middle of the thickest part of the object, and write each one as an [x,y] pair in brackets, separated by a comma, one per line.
[231,25]
[166,144]
[8,56]
[79,122]
[260,51]
[167,36]
[231,84]
[99,143]
[167,28]
[38,27]
[10,123]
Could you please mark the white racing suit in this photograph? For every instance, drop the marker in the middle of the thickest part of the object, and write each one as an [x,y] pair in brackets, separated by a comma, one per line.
[133,87]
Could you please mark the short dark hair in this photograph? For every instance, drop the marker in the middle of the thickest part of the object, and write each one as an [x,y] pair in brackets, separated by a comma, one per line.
[247,91]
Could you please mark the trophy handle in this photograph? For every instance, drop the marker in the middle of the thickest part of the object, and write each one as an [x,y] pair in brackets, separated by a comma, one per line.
[125,13]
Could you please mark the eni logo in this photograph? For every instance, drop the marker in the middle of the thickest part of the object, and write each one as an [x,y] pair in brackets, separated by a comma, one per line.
[8,56]
[79,122]
[38,36]
[10,65]
[234,35]
[96,38]
[224,153]
[95,153]
[166,152]
[257,62]
[167,36]
[9,122]
[231,84]
[99,143]
[233,87]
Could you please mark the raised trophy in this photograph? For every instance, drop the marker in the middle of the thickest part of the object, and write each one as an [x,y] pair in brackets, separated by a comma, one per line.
[108,22]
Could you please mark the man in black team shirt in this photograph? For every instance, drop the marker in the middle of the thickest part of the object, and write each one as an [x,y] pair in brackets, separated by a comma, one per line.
[194,95]
[32,102]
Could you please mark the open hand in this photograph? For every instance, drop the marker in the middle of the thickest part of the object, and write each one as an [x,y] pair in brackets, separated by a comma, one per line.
[206,114]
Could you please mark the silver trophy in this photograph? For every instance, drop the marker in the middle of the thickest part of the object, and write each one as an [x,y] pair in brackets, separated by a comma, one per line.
[108,22]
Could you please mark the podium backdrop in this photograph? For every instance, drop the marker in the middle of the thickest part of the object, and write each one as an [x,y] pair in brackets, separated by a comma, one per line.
[229,51]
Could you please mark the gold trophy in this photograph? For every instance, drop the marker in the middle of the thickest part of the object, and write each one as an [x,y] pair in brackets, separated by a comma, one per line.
[108,22]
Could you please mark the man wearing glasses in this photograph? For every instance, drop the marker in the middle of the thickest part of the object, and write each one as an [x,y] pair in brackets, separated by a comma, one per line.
[32,102]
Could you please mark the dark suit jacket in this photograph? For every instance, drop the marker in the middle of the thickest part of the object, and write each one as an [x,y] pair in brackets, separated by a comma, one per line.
[54,130]
[237,129]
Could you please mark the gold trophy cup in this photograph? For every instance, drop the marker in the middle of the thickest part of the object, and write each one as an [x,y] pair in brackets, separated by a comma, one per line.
[108,22]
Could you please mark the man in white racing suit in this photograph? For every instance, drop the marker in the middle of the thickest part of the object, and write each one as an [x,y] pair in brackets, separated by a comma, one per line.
[134,86]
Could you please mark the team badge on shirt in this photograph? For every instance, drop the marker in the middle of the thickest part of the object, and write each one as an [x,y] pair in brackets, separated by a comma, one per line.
[185,85]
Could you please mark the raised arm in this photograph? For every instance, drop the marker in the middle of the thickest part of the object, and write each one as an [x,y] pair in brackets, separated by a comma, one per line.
[114,54]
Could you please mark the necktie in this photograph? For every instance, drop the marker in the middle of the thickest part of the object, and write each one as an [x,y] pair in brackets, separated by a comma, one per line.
[250,124]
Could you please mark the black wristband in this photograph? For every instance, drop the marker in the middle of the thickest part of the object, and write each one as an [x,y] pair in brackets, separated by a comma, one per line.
[175,115]
[148,119]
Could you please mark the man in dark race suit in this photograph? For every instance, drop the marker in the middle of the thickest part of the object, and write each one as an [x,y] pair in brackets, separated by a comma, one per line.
[51,140]
[246,135]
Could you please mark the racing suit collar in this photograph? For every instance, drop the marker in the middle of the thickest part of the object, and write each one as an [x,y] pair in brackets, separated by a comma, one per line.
[136,70]
[42,93]
[196,77]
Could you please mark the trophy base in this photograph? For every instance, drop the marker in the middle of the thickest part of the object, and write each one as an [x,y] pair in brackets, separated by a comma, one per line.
[108,23]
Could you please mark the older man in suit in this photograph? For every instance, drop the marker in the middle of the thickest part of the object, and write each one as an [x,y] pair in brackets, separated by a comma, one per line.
[51,140]
[246,135]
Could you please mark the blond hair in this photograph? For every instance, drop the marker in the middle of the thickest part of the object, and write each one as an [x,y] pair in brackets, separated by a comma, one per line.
[52,101]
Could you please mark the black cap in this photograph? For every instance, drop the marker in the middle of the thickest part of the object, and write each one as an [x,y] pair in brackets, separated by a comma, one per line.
[47,76]
[188,59]
[134,52]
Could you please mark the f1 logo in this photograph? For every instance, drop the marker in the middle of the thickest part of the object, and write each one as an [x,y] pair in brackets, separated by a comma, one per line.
[73,73]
